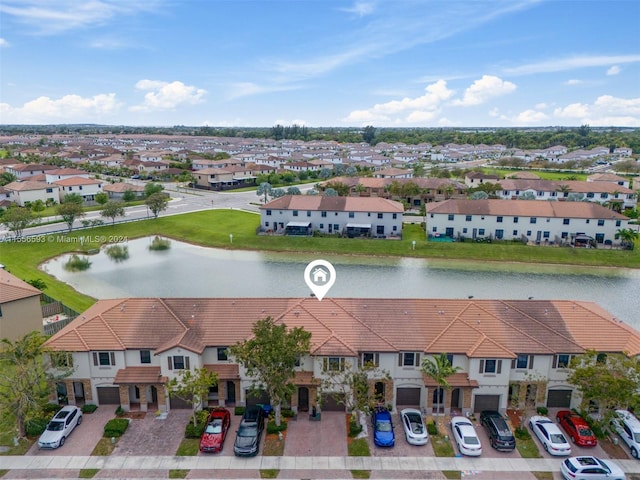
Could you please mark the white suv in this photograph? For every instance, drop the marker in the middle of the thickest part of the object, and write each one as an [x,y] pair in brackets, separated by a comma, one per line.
[628,427]
[60,427]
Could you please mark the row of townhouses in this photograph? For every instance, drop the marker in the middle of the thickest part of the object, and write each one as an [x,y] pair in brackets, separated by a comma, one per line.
[124,351]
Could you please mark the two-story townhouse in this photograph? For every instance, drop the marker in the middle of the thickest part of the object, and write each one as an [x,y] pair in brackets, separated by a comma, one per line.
[87,188]
[125,350]
[224,178]
[611,178]
[20,311]
[526,220]
[347,216]
[64,173]
[23,171]
[27,191]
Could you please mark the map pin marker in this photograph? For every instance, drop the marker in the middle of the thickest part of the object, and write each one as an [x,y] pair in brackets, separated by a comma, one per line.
[320,277]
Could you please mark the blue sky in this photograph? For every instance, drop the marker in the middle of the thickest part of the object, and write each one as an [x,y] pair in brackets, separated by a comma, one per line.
[324,63]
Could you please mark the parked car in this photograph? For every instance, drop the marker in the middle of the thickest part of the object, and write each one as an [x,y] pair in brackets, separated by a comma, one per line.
[628,427]
[465,436]
[215,432]
[500,436]
[415,431]
[60,427]
[249,433]
[577,428]
[383,435]
[549,435]
[590,468]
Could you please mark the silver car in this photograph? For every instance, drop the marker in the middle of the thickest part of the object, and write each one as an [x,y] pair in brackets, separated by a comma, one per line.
[60,427]
[415,430]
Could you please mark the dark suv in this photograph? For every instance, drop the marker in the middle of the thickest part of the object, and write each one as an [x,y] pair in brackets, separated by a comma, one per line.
[499,433]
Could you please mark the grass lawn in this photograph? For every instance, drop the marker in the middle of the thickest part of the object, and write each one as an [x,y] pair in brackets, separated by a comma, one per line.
[88,472]
[442,446]
[178,473]
[543,475]
[543,174]
[211,228]
[104,447]
[526,445]
[3,472]
[452,474]
[358,447]
[188,447]
[361,473]
[269,473]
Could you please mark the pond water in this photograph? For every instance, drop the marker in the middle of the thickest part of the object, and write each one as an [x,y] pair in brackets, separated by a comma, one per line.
[185,270]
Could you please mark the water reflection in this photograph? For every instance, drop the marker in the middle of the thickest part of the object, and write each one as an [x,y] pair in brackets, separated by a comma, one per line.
[186,270]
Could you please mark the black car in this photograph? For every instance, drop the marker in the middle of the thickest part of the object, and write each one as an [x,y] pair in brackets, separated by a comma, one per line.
[500,435]
[249,433]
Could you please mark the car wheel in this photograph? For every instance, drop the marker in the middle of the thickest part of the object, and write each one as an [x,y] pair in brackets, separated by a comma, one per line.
[79,419]
[531,425]
[546,447]
[573,440]
[634,452]
[558,419]
[62,441]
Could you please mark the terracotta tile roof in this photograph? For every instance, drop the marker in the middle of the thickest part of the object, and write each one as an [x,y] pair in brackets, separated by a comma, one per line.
[334,204]
[459,379]
[347,326]
[225,371]
[524,208]
[122,187]
[27,185]
[575,186]
[139,375]
[71,181]
[12,288]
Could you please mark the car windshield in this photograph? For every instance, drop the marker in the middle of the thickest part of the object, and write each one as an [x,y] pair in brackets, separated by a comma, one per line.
[558,438]
[55,426]
[636,437]
[417,428]
[214,427]
[585,432]
[471,441]
[383,426]
[248,432]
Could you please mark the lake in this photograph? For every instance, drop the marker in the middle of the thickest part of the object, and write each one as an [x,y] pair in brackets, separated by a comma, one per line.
[187,270]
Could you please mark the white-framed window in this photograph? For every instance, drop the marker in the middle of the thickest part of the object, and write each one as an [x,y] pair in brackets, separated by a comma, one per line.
[104,359]
[409,359]
[333,364]
[491,366]
[178,362]
[523,361]
[145,356]
[370,358]
[223,353]
[561,360]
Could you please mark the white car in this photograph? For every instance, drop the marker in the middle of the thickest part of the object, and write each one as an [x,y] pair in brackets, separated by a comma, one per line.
[590,468]
[415,431]
[60,427]
[549,434]
[627,426]
[464,433]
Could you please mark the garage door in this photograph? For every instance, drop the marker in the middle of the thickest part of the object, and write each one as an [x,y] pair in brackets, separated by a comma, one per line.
[178,403]
[331,403]
[486,402]
[559,398]
[409,397]
[256,398]
[108,395]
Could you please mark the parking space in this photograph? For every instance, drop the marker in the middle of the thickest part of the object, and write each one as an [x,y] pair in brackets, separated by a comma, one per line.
[227,447]
[154,436]
[327,437]
[402,448]
[487,450]
[83,438]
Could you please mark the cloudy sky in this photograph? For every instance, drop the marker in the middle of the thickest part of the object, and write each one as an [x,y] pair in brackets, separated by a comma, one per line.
[321,63]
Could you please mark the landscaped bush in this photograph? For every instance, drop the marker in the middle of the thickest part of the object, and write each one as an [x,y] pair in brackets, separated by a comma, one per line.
[35,426]
[522,433]
[239,410]
[287,413]
[432,428]
[191,431]
[116,427]
[50,408]
[89,408]
[354,427]
[273,428]
[119,410]
[542,410]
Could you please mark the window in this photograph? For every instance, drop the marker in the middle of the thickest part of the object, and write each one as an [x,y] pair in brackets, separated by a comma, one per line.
[481,231]
[499,234]
[528,233]
[178,362]
[499,219]
[380,215]
[515,219]
[523,361]
[352,214]
[587,221]
[450,217]
[268,213]
[604,195]
[600,223]
[333,364]
[49,190]
[145,356]
[540,194]
[468,218]
[336,227]
[561,361]
[370,358]
[618,223]
[394,216]
[546,234]
[409,359]
[565,221]
[223,353]
[323,214]
[395,228]
[295,213]
[564,234]
[590,195]
[533,220]
[308,213]
[450,358]
[104,359]
[491,365]
[464,230]
[321,226]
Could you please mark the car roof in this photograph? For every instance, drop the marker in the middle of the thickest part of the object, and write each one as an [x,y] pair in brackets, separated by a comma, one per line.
[382,415]
[461,420]
[405,411]
[219,413]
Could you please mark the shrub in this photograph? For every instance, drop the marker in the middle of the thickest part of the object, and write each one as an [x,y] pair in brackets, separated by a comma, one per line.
[191,431]
[89,408]
[354,427]
[202,416]
[160,244]
[432,428]
[522,433]
[77,264]
[116,427]
[239,410]
[273,428]
[50,408]
[287,413]
[119,411]
[35,426]
[542,410]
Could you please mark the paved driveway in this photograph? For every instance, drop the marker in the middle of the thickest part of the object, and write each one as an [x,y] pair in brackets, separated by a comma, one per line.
[227,447]
[84,437]
[402,448]
[154,436]
[328,437]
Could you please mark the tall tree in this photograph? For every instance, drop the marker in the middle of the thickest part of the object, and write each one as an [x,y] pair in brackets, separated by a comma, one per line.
[17,219]
[151,188]
[627,237]
[192,387]
[101,198]
[439,369]
[264,189]
[157,203]
[270,358]
[70,211]
[112,210]
[26,378]
[369,134]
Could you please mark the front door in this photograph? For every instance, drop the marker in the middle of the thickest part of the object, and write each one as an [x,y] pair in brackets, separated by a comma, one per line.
[231,392]
[78,391]
[303,399]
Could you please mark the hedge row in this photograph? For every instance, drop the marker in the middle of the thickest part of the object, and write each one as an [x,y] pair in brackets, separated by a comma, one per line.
[116,427]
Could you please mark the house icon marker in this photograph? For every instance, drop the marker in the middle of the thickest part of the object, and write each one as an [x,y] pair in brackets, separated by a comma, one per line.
[319,275]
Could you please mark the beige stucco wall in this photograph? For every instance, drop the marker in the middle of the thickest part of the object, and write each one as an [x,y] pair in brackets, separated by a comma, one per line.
[20,317]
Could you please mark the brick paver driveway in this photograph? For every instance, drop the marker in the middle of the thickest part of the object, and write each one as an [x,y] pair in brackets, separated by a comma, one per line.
[152,436]
[326,438]
[84,437]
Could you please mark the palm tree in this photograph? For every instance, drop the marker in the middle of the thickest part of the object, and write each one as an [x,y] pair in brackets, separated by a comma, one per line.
[439,369]
[627,237]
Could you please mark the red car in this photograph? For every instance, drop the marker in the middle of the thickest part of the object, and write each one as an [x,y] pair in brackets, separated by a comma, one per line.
[577,428]
[216,430]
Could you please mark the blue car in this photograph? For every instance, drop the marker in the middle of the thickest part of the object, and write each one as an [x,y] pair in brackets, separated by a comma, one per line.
[383,435]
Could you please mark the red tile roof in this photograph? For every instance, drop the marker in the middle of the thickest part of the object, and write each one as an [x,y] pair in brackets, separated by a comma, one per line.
[139,375]
[12,288]
[334,204]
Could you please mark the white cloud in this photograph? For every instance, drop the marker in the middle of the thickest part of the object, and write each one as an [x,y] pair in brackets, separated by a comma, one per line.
[573,81]
[542,106]
[606,110]
[530,117]
[164,95]
[3,42]
[494,112]
[70,108]
[614,70]
[483,89]
[360,9]
[571,63]
[612,104]
[409,110]
[573,110]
